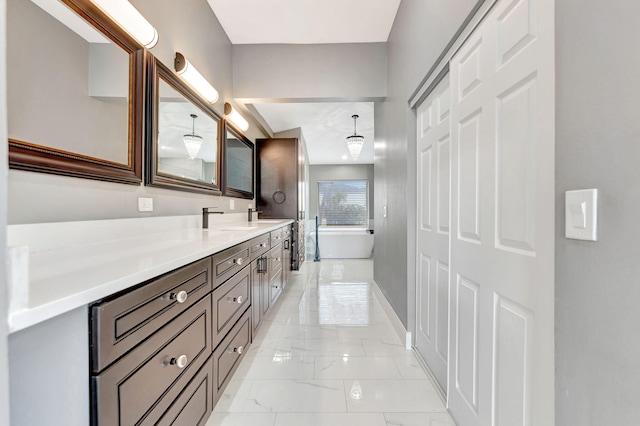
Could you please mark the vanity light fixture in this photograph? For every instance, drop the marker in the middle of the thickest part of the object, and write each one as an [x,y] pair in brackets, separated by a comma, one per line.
[235,117]
[192,141]
[194,78]
[132,21]
[355,141]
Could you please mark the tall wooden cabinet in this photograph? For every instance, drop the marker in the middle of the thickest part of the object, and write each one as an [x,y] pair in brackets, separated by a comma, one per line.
[281,187]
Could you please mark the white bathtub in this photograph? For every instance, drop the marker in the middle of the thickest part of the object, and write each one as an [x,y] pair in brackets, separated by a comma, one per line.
[344,243]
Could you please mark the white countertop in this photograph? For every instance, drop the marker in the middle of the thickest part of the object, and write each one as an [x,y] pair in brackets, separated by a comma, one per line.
[72,264]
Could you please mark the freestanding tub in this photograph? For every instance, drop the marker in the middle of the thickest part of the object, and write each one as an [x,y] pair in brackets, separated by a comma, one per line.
[344,243]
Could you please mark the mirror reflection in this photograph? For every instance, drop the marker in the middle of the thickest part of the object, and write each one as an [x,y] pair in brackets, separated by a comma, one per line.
[187,138]
[67,84]
[239,158]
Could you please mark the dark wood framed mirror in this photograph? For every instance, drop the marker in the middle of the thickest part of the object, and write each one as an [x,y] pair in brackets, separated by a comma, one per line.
[184,135]
[75,92]
[239,163]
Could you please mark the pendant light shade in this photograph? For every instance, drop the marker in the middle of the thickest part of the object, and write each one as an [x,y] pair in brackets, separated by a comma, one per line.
[355,141]
[192,142]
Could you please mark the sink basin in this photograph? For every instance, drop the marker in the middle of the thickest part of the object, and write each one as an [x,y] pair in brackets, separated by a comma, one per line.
[239,228]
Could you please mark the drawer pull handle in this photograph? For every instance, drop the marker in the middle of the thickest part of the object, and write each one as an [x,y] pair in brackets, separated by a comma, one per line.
[238,350]
[277,238]
[237,300]
[277,259]
[180,362]
[179,297]
[238,261]
[275,286]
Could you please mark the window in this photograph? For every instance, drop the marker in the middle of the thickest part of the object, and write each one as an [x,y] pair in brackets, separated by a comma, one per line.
[343,203]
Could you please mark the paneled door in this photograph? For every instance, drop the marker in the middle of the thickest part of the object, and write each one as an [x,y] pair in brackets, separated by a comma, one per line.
[432,298]
[502,227]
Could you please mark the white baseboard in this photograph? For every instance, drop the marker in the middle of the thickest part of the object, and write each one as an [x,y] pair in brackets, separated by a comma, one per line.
[403,334]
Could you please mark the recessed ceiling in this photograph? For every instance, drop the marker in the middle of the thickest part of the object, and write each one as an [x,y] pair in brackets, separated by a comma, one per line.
[305,21]
[325,127]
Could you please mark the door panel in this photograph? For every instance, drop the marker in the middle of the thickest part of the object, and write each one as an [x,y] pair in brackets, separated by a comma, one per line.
[434,168]
[502,219]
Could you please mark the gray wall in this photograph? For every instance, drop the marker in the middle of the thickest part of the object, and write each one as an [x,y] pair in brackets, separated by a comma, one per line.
[4,362]
[36,197]
[420,32]
[597,146]
[339,172]
[324,71]
[49,365]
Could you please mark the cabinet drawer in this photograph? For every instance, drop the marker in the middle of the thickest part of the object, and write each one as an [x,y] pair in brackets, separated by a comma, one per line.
[276,237]
[229,261]
[260,245]
[120,324]
[230,300]
[192,405]
[228,355]
[127,391]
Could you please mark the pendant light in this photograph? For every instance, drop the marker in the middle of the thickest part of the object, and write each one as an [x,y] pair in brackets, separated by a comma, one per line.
[192,141]
[355,141]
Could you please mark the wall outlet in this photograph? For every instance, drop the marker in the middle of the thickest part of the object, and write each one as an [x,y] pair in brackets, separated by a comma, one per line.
[145,204]
[232,204]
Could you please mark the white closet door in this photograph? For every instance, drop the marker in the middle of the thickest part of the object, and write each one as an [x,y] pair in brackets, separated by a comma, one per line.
[434,165]
[502,247]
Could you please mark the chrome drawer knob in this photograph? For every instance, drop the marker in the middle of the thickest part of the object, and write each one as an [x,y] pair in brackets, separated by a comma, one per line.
[179,297]
[180,362]
[263,245]
[237,300]
[277,238]
[238,261]
[238,350]
[275,286]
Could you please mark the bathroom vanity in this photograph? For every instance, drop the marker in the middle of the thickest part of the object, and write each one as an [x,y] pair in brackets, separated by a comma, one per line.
[127,323]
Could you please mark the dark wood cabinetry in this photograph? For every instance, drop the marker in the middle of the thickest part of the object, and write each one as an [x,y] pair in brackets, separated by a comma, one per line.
[281,187]
[163,353]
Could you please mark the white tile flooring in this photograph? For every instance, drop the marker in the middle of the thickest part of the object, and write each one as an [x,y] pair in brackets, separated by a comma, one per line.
[328,355]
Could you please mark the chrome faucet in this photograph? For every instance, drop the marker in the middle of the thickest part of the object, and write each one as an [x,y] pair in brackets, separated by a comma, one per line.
[205,216]
[250,214]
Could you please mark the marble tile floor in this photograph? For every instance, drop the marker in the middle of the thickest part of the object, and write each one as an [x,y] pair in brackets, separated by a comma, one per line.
[327,354]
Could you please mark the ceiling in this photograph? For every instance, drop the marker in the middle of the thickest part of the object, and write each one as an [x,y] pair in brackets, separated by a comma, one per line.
[325,126]
[305,21]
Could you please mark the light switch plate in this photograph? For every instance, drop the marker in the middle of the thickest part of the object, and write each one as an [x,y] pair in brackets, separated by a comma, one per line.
[145,204]
[581,214]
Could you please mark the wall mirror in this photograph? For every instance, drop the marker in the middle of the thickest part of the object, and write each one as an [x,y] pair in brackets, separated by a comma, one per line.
[239,164]
[75,92]
[183,140]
